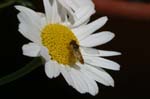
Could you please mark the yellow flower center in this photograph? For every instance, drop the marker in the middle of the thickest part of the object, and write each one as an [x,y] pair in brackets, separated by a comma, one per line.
[57,39]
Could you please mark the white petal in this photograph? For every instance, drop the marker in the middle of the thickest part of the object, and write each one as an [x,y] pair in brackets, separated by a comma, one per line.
[97,78]
[49,69]
[82,16]
[80,10]
[98,74]
[62,12]
[43,22]
[101,62]
[78,80]
[41,14]
[30,24]
[33,17]
[57,70]
[82,3]
[31,50]
[45,54]
[95,52]
[65,5]
[43,19]
[30,32]
[48,10]
[52,69]
[71,4]
[76,4]
[65,70]
[85,31]
[79,83]
[97,39]
[92,85]
[108,53]
[55,14]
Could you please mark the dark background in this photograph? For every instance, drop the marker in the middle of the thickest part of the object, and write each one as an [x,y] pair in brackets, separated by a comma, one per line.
[132,81]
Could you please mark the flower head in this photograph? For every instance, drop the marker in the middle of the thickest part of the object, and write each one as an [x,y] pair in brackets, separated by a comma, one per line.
[64,37]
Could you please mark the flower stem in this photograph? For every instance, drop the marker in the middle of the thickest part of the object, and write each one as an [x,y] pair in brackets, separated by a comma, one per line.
[37,62]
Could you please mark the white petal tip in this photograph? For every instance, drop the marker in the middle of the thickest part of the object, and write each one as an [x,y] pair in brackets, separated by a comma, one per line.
[112,35]
[117,53]
[31,50]
[52,69]
[47,70]
[93,94]
[109,53]
[112,83]
[113,86]
[18,7]
[117,68]
[105,18]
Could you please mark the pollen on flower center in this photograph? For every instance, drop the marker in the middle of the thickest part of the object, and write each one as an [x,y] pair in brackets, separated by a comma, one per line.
[57,39]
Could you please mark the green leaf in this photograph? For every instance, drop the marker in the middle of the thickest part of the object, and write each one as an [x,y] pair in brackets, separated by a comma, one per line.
[37,62]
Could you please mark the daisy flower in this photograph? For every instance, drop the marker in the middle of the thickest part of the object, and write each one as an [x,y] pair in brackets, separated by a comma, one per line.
[64,37]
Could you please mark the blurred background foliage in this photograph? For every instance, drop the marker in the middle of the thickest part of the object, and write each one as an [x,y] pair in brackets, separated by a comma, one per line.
[6,3]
